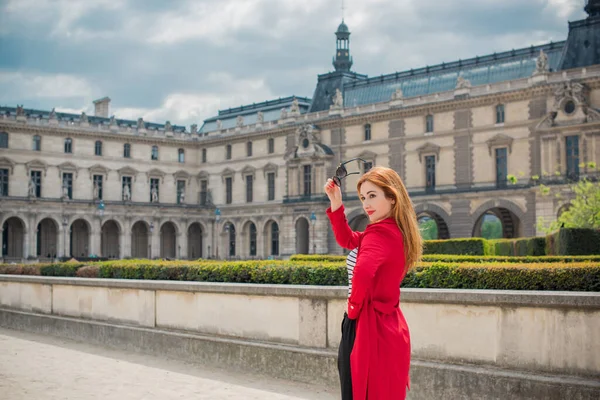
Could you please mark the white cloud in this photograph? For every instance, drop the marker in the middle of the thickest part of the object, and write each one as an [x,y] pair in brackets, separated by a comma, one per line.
[188,108]
[31,85]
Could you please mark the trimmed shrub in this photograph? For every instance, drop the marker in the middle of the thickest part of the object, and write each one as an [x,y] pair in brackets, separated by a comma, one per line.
[502,247]
[573,241]
[60,269]
[563,277]
[88,271]
[472,246]
[20,269]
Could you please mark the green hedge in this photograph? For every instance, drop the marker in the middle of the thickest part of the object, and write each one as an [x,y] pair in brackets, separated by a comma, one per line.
[573,276]
[469,246]
[427,258]
[569,277]
[571,241]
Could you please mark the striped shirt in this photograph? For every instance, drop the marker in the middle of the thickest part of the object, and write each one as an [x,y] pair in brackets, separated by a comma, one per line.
[350,263]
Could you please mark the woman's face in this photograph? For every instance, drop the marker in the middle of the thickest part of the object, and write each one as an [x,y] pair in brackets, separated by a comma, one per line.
[374,202]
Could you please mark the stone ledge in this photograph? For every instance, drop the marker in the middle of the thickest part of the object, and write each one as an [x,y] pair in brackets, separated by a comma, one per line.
[430,380]
[581,300]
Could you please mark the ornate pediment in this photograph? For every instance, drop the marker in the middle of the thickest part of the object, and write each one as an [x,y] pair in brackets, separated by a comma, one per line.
[155,173]
[7,163]
[367,155]
[427,149]
[202,175]
[182,175]
[248,170]
[98,169]
[36,165]
[270,167]
[228,173]
[67,167]
[128,171]
[307,143]
[500,140]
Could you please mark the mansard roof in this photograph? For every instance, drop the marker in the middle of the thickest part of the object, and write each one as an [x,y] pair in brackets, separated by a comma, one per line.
[92,120]
[271,110]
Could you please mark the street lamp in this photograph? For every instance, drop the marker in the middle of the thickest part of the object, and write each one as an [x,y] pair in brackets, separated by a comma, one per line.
[313,221]
[217,219]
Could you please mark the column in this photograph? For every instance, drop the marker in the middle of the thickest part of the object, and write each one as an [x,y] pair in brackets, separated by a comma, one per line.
[26,244]
[183,242]
[1,243]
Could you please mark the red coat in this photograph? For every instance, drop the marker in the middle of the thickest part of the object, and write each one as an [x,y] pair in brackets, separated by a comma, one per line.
[380,359]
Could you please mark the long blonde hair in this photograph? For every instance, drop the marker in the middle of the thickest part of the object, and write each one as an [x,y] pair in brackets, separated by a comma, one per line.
[402,210]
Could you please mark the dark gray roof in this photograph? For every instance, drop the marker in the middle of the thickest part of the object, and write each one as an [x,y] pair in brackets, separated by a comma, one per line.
[483,70]
[271,112]
[45,115]
[583,43]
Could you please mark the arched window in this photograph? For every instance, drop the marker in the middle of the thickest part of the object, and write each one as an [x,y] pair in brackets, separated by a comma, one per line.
[252,239]
[98,148]
[274,239]
[231,240]
[127,150]
[181,155]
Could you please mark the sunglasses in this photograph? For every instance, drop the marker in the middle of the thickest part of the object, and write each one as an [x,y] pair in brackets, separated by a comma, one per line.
[341,172]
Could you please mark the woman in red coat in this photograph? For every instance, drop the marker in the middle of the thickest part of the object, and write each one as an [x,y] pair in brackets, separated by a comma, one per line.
[390,245]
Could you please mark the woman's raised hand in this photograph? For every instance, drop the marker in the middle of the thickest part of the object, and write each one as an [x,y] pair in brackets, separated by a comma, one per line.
[334,193]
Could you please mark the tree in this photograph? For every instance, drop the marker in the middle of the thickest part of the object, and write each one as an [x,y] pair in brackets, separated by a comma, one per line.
[491,228]
[429,229]
[584,211]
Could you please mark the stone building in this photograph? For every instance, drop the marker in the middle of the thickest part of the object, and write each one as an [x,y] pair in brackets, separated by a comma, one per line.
[471,138]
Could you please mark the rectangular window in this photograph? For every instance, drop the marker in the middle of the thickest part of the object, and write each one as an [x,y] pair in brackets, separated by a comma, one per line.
[154,188]
[429,124]
[367,132]
[572,147]
[228,190]
[501,167]
[98,148]
[67,182]
[126,193]
[203,191]
[249,184]
[98,187]
[271,146]
[68,145]
[307,180]
[37,143]
[249,149]
[154,154]
[127,150]
[180,192]
[36,178]
[271,185]
[228,152]
[430,173]
[500,114]
[367,166]
[3,140]
[3,182]
[181,156]
[203,155]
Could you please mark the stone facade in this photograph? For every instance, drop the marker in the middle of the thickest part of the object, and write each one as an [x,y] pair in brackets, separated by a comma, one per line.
[305,152]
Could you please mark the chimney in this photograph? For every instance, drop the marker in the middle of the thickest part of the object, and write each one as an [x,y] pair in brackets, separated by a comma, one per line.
[102,107]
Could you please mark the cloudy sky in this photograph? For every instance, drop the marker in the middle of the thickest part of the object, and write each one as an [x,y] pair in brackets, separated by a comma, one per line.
[182,60]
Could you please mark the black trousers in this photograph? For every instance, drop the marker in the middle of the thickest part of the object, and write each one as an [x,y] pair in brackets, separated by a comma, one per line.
[346,345]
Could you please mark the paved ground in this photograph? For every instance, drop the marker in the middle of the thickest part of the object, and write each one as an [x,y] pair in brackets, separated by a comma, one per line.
[36,367]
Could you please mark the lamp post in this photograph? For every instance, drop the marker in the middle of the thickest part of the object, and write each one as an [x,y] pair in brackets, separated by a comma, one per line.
[217,219]
[313,221]
[150,244]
